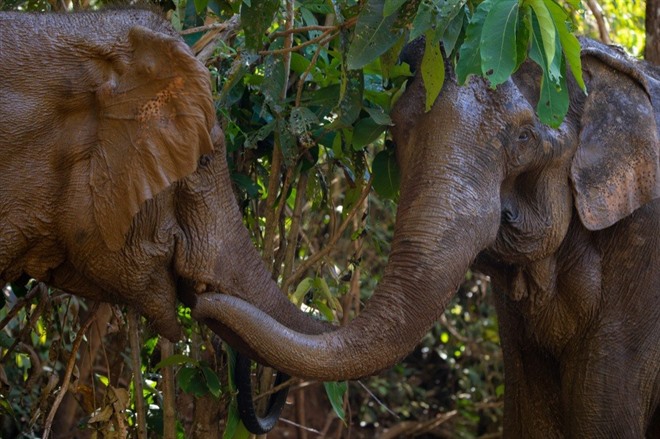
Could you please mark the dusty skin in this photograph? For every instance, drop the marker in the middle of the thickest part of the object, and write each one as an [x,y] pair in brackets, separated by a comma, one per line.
[566,222]
[113,179]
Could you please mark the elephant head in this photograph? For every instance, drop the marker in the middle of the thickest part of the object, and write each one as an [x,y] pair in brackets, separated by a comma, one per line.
[480,175]
[113,178]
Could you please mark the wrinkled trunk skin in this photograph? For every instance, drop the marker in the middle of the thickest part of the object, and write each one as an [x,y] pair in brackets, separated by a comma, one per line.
[214,250]
[449,211]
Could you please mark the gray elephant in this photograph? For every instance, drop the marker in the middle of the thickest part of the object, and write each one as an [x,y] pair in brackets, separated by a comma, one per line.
[113,179]
[567,223]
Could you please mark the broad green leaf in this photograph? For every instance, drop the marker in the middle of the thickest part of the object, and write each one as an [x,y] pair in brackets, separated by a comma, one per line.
[453,31]
[335,391]
[469,62]
[373,35]
[176,360]
[212,381]
[350,101]
[386,177]
[366,131]
[390,59]
[323,291]
[433,71]
[200,5]
[498,42]
[287,141]
[391,6]
[424,20]
[303,288]
[255,19]
[379,115]
[301,120]
[547,27]
[569,43]
[523,34]
[553,101]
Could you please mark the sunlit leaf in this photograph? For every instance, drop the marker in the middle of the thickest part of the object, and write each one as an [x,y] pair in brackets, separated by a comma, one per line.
[547,28]
[498,41]
[569,43]
[391,6]
[433,72]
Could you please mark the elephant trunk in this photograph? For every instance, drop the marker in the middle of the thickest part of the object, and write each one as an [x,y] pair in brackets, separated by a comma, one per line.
[215,253]
[439,230]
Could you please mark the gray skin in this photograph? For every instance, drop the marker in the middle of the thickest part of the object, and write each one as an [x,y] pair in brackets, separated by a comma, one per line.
[113,178]
[567,223]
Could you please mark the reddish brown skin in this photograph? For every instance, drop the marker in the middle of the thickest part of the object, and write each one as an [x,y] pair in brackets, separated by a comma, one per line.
[113,179]
[566,222]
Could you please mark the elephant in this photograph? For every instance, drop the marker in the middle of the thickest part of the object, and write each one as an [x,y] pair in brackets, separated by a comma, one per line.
[565,221]
[114,184]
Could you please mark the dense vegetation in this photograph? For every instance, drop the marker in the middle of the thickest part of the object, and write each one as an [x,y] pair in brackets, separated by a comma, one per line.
[304,90]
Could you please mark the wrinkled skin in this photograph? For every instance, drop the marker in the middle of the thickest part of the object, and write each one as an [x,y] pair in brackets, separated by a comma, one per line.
[566,222]
[113,178]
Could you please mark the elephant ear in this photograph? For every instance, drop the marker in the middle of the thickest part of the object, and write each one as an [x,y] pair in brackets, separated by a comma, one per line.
[616,167]
[155,115]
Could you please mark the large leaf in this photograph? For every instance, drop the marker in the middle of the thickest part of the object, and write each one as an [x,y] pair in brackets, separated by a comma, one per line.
[386,180]
[374,34]
[391,6]
[569,42]
[365,132]
[256,17]
[335,392]
[498,42]
[433,71]
[553,102]
[469,61]
[547,27]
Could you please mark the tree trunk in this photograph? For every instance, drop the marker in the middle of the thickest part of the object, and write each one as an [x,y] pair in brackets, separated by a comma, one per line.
[652,50]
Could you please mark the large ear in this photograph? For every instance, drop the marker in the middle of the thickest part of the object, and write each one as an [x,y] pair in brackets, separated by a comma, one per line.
[155,115]
[616,167]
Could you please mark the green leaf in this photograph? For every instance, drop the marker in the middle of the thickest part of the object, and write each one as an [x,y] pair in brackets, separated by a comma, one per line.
[335,391]
[391,6]
[469,62]
[433,71]
[498,42]
[379,115]
[366,131]
[523,34]
[569,43]
[553,101]
[547,27]
[176,360]
[256,19]
[301,291]
[212,381]
[373,35]
[453,31]
[200,5]
[386,177]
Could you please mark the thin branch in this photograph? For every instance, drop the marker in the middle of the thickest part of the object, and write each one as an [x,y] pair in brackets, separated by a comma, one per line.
[169,395]
[195,30]
[303,29]
[302,269]
[20,304]
[603,28]
[69,371]
[290,49]
[136,364]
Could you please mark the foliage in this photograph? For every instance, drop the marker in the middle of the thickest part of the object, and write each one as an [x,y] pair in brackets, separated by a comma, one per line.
[304,90]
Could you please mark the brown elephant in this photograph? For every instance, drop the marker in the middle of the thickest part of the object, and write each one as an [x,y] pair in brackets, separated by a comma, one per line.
[567,223]
[113,177]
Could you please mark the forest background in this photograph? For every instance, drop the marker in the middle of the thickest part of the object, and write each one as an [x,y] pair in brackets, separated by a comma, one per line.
[303,89]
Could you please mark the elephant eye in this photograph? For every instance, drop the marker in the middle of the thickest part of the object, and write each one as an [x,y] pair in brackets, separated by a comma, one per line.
[204,160]
[525,135]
